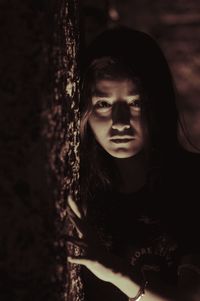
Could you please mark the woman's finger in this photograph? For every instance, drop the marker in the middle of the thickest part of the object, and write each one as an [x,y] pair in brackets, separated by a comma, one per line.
[77,224]
[79,260]
[74,207]
[98,269]
[71,212]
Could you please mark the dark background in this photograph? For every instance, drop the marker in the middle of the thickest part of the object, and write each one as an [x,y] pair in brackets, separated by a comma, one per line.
[27,214]
[176,27]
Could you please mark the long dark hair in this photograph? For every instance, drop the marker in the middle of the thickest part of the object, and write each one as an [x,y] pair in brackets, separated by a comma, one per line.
[126,54]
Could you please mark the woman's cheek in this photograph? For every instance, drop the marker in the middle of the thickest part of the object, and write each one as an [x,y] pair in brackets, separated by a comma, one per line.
[98,119]
[137,122]
[100,126]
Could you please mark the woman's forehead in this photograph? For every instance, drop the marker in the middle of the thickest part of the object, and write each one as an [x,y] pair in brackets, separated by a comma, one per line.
[108,86]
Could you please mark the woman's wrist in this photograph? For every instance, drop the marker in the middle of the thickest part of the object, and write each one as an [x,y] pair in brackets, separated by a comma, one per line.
[140,293]
[126,285]
[134,292]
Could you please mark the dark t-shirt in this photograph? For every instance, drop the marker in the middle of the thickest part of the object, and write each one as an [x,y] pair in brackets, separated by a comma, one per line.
[133,227]
[152,231]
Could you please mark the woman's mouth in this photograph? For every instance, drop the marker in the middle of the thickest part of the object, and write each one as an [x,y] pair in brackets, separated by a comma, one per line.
[121,140]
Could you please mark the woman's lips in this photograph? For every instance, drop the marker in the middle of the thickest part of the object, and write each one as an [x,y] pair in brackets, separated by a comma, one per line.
[122,140]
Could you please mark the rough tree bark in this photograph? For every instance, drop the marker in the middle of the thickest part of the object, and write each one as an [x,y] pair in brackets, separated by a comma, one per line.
[38,127]
[63,133]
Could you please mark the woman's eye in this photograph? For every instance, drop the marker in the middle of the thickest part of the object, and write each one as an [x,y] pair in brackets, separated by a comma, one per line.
[136,103]
[102,105]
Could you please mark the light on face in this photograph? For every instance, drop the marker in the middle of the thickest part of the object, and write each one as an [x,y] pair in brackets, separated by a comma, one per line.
[116,117]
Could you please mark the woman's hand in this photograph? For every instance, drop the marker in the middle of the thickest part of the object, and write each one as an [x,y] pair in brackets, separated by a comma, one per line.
[98,260]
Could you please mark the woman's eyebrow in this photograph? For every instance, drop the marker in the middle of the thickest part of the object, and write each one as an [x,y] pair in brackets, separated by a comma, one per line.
[136,94]
[133,92]
[98,93]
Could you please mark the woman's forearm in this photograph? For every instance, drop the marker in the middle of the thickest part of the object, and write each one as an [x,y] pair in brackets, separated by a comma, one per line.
[131,289]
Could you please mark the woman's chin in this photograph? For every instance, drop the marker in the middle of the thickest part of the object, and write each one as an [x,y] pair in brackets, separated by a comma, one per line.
[123,153]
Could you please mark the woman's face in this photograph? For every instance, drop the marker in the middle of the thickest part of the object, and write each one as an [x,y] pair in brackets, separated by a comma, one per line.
[115,119]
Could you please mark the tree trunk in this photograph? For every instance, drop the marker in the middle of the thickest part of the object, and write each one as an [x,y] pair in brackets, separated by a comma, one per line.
[63,132]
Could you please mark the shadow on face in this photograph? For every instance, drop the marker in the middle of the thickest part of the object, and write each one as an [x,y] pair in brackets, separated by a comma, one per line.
[116,120]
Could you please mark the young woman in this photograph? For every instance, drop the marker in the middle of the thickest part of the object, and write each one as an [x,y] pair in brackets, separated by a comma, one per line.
[128,131]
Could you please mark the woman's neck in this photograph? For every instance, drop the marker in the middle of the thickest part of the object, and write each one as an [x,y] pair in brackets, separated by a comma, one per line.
[132,172]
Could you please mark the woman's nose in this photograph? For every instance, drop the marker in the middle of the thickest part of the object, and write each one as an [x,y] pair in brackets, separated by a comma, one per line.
[120,116]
